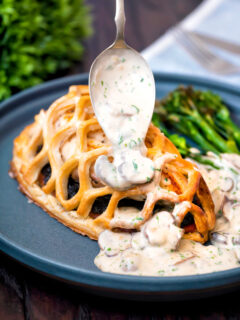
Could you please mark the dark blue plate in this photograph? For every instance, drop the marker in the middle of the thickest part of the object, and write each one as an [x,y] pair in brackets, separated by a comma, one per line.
[30,236]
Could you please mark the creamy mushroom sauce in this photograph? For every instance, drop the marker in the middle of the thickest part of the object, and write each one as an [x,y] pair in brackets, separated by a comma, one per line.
[123,96]
[158,249]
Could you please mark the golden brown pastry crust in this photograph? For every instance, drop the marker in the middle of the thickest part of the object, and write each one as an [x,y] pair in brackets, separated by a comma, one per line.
[71,141]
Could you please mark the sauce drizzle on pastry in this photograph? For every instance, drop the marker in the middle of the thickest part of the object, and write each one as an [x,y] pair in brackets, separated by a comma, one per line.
[123,100]
[158,248]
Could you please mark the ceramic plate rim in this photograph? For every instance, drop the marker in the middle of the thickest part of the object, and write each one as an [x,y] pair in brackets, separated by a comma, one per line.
[83,277]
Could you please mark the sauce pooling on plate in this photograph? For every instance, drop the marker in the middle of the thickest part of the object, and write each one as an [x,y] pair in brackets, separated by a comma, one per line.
[123,96]
[158,249]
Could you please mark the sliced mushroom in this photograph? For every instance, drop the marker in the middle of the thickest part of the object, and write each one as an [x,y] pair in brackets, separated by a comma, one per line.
[114,242]
[158,227]
[236,163]
[139,241]
[236,239]
[219,238]
[161,230]
[227,184]
[230,209]
[227,239]
[233,158]
[218,197]
[130,261]
[236,207]
[126,218]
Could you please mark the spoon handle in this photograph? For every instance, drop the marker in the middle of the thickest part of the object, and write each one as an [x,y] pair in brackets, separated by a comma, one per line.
[120,20]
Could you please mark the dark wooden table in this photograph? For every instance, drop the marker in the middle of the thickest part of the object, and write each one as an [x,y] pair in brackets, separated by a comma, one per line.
[25,294]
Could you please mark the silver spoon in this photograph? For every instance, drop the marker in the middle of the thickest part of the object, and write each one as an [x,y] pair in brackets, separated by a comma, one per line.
[102,67]
[119,43]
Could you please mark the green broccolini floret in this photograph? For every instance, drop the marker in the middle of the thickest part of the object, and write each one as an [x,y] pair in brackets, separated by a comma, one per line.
[201,116]
[218,115]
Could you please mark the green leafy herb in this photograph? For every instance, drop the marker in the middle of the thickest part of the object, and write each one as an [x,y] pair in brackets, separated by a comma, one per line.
[137,109]
[138,219]
[110,67]
[161,272]
[120,140]
[39,39]
[234,171]
[132,143]
[105,93]
[135,165]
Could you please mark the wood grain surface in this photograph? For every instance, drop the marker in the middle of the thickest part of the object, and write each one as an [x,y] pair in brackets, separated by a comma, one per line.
[25,294]
[146,20]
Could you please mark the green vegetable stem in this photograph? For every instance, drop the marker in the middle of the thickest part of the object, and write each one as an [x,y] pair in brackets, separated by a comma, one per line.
[201,116]
[181,143]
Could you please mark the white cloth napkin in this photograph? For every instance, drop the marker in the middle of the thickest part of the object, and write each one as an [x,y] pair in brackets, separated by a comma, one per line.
[218,18]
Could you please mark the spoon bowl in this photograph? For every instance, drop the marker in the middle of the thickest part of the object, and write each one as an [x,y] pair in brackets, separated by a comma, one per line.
[119,47]
[122,91]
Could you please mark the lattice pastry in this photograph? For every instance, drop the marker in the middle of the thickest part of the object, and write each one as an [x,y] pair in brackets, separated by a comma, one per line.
[53,161]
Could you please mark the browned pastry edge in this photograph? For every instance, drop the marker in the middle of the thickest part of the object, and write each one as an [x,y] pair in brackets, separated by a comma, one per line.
[13,173]
[186,179]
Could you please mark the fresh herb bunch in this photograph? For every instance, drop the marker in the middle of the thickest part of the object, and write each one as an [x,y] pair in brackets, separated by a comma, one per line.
[201,116]
[39,38]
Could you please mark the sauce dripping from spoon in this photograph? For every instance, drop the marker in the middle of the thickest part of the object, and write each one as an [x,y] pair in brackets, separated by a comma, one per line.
[122,90]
